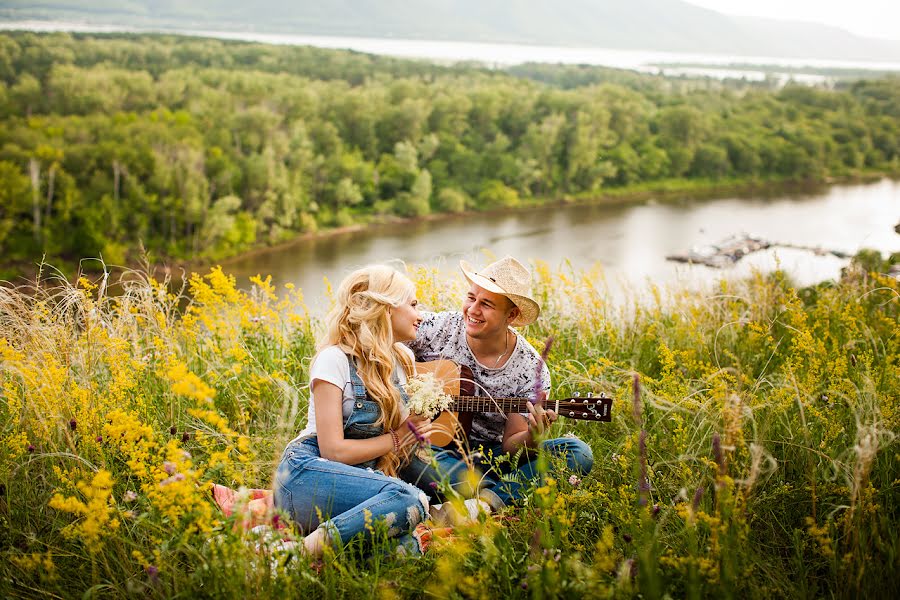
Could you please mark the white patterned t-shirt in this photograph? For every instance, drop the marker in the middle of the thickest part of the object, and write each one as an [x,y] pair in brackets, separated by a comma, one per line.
[443,336]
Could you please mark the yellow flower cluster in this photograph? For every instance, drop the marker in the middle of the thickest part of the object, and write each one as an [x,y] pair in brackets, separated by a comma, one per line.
[95,512]
[133,439]
[187,384]
[227,450]
[175,491]
[41,565]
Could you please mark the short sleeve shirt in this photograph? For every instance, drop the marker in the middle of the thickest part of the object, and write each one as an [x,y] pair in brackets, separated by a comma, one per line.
[333,366]
[443,336]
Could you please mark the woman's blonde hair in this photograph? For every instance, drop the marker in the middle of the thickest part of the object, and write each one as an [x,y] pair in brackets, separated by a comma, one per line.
[360,325]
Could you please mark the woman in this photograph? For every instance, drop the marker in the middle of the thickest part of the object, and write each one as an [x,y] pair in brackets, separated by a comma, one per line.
[336,478]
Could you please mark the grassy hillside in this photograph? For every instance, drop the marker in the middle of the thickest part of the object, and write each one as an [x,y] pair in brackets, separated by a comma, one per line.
[752,453]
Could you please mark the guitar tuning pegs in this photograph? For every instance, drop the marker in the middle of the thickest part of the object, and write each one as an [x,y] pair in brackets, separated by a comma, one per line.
[577,394]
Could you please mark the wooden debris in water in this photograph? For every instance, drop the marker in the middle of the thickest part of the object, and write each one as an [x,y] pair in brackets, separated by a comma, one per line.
[734,248]
[724,254]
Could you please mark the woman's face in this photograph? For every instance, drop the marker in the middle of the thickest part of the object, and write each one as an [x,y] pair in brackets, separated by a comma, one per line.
[405,320]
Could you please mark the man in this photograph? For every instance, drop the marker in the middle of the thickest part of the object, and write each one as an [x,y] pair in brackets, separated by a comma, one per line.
[503,364]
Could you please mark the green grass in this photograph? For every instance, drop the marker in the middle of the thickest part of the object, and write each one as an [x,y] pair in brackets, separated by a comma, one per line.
[758,459]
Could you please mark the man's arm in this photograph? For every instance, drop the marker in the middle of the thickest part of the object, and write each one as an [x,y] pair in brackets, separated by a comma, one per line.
[526,430]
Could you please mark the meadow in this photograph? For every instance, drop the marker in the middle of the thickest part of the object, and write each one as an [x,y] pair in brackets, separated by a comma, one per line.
[752,451]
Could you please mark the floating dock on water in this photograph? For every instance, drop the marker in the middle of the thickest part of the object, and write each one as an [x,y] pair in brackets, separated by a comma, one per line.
[734,248]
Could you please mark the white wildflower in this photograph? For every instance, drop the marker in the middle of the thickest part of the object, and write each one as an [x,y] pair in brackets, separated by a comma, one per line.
[426,395]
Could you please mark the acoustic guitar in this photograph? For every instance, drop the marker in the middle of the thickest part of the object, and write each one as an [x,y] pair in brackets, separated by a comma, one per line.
[459,385]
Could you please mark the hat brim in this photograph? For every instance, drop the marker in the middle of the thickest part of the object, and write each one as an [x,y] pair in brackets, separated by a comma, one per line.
[529,310]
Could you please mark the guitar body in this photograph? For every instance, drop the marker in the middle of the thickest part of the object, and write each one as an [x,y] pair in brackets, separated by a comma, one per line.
[457,381]
[458,384]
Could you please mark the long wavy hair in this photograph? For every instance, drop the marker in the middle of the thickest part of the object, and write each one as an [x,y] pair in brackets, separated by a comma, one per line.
[360,325]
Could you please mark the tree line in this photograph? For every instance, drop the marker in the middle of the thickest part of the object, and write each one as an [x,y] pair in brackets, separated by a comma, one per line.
[195,147]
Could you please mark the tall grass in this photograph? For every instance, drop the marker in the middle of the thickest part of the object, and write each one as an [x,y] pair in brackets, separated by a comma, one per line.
[752,451]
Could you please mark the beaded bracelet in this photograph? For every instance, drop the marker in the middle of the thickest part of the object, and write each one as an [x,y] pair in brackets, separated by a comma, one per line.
[396,439]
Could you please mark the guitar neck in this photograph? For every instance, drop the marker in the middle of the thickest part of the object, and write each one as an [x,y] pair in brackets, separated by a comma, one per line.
[590,408]
[491,405]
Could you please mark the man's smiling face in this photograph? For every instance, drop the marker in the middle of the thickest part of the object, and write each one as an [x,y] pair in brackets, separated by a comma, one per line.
[487,314]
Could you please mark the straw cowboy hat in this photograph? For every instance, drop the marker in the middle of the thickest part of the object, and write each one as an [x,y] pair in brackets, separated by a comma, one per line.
[509,278]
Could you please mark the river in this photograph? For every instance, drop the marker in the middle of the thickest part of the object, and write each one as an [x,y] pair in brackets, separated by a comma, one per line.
[629,241]
[717,66]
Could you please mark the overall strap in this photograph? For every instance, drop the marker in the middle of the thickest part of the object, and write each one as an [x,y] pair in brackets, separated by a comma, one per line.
[359,388]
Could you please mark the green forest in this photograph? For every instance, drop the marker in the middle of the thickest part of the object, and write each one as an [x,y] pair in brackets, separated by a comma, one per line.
[198,149]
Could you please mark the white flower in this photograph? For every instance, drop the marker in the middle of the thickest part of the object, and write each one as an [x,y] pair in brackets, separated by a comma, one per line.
[426,395]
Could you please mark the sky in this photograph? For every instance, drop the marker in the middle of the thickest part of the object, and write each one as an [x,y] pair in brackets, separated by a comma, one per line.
[871,18]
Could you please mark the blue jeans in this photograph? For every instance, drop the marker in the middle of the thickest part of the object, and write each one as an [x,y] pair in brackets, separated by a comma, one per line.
[450,468]
[317,492]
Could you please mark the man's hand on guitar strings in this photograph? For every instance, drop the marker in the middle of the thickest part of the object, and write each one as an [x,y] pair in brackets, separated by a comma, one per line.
[539,420]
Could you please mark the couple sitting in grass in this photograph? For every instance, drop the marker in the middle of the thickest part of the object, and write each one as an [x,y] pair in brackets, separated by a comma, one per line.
[359,459]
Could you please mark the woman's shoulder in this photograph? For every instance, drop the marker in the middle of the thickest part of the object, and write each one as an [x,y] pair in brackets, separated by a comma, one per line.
[406,351]
[330,356]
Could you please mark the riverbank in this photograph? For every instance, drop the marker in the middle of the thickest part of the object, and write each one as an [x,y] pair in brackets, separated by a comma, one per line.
[661,191]
[668,191]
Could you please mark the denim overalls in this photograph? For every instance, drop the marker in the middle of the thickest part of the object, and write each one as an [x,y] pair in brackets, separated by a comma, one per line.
[324,493]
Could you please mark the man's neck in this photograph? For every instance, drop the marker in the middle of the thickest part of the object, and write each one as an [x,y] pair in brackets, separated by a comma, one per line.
[488,350]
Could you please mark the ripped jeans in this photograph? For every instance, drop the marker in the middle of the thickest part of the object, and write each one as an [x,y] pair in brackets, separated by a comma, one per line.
[341,498]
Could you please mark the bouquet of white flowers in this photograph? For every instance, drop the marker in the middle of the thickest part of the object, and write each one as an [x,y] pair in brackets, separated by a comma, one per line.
[426,395]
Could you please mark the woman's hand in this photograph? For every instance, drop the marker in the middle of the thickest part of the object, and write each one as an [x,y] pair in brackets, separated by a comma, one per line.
[415,429]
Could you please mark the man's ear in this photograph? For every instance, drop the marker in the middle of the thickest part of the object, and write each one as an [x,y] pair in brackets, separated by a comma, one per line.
[513,314]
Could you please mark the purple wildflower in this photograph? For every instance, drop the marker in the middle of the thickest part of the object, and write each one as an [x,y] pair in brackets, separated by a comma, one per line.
[173,430]
[99,439]
[539,371]
[717,453]
[655,510]
[574,481]
[169,467]
[152,572]
[698,495]
[636,386]
[644,481]
[31,448]
[185,437]
[416,433]
[627,538]
[73,424]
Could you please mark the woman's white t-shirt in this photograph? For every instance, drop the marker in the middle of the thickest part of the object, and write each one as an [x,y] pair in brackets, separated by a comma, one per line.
[332,365]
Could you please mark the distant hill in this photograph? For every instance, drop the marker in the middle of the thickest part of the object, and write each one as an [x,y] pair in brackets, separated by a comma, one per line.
[668,25]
